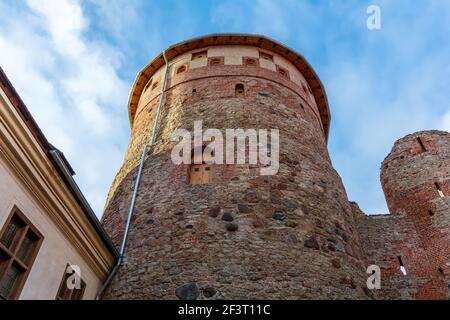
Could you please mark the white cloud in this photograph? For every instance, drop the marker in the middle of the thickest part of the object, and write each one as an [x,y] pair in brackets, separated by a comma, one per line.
[71,85]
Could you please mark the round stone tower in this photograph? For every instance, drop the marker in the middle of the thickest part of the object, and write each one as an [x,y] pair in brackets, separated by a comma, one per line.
[212,231]
[416,180]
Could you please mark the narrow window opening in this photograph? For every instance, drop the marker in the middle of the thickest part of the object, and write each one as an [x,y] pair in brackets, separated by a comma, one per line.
[199,55]
[438,188]
[239,90]
[181,69]
[283,71]
[194,90]
[402,266]
[431,213]
[441,270]
[265,56]
[148,85]
[304,88]
[422,146]
[250,62]
[215,61]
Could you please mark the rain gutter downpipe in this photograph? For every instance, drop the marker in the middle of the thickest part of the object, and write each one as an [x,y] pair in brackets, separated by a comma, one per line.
[147,147]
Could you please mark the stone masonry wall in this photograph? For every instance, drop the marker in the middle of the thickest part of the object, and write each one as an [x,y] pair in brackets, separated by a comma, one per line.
[417,232]
[287,236]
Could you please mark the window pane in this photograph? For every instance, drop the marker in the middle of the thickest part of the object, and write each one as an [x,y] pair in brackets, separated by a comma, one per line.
[64,292]
[9,280]
[27,247]
[77,294]
[11,233]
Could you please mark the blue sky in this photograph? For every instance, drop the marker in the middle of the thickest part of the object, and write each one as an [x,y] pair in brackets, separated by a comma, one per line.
[73,63]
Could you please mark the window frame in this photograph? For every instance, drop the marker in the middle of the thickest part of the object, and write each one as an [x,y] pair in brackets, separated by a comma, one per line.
[63,282]
[202,54]
[12,253]
[246,61]
[200,172]
[283,72]
[266,56]
[180,70]
[216,61]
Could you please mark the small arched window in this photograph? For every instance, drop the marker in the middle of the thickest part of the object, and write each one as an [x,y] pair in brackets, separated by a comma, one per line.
[239,90]
[181,69]
[250,62]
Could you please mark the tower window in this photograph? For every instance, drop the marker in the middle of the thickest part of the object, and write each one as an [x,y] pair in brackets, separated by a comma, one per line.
[148,85]
[439,190]
[19,245]
[431,213]
[200,173]
[283,71]
[181,69]
[215,61]
[422,146]
[265,56]
[304,88]
[199,55]
[402,266]
[250,62]
[239,90]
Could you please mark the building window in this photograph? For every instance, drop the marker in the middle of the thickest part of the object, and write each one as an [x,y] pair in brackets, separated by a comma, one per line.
[422,146]
[283,71]
[181,69]
[216,61]
[439,190]
[431,213]
[265,56]
[199,55]
[402,266]
[66,293]
[149,83]
[239,90]
[200,173]
[19,245]
[250,62]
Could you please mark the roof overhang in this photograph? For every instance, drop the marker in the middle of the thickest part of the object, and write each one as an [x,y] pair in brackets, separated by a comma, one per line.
[234,39]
